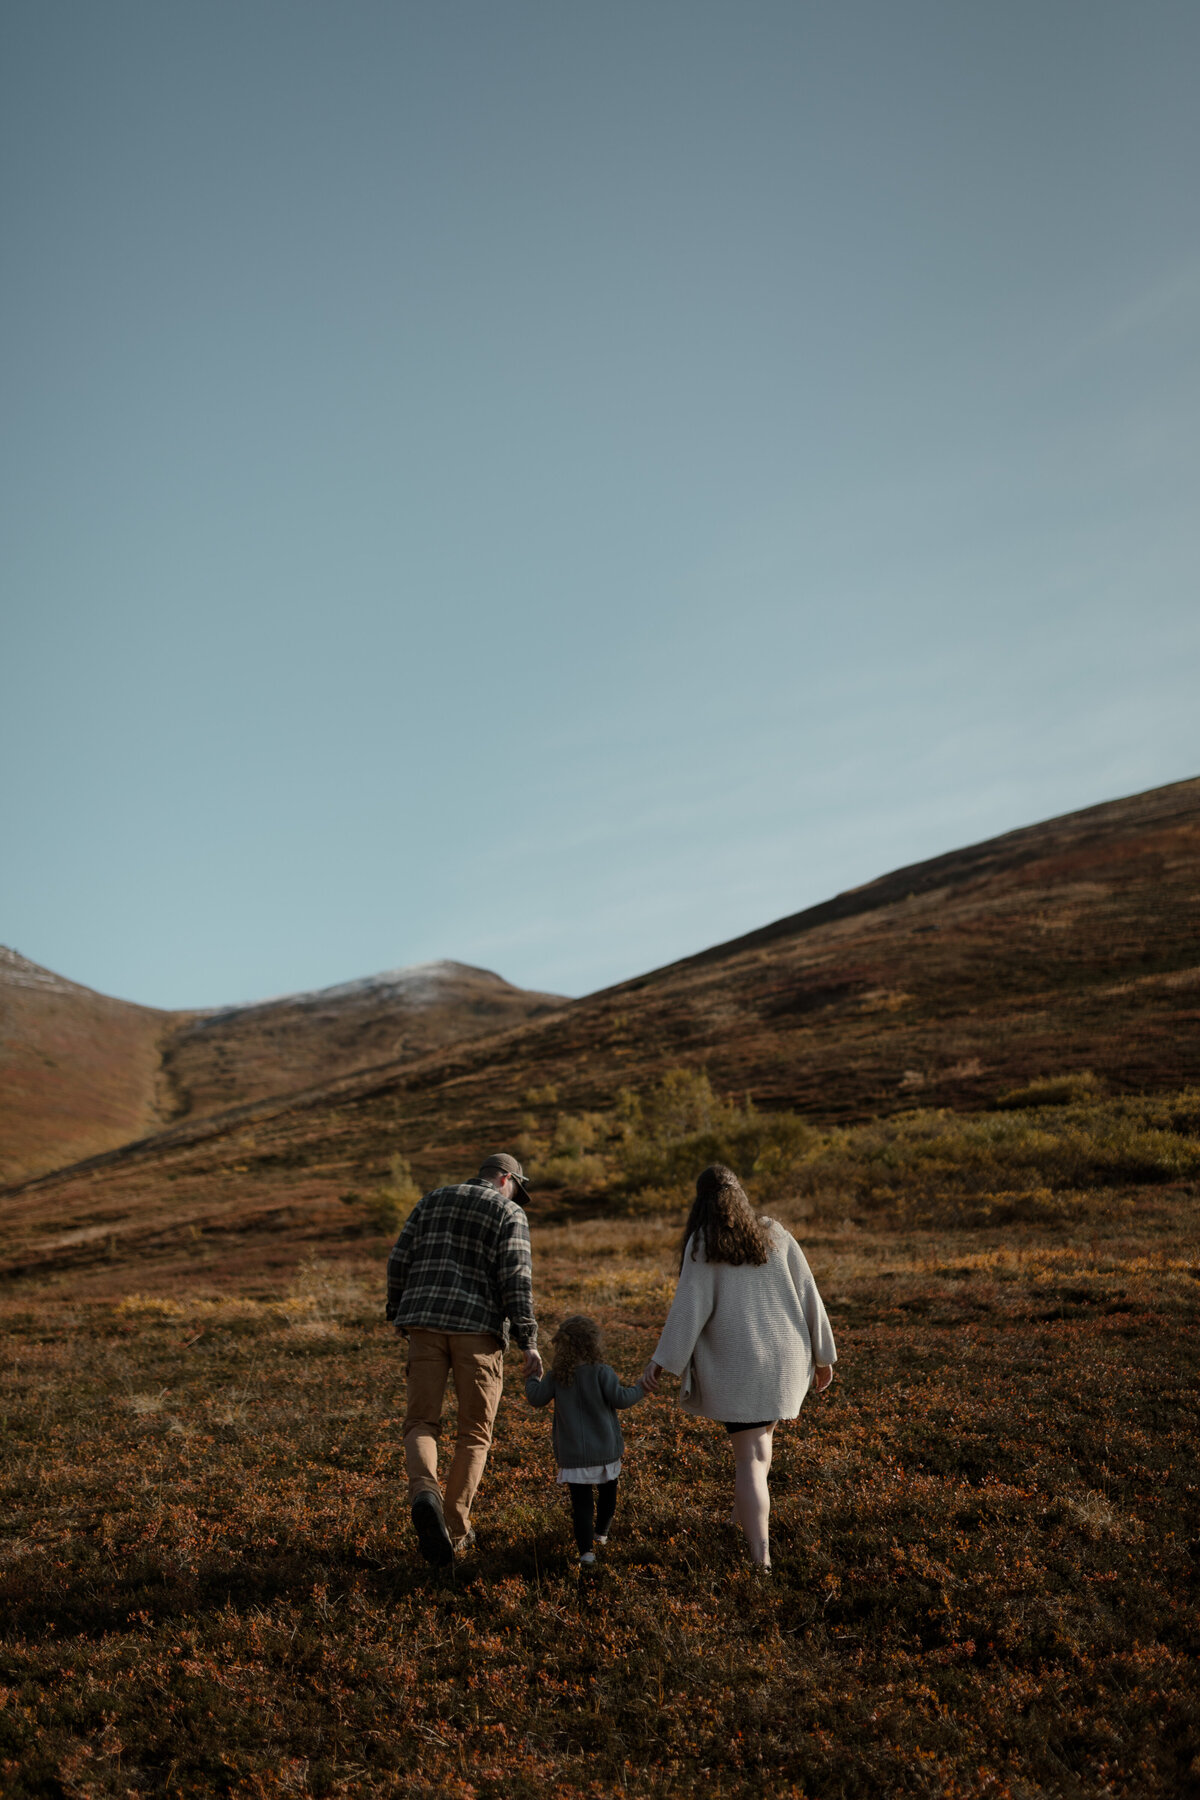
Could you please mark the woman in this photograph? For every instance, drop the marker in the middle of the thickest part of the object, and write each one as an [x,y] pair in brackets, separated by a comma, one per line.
[748,1333]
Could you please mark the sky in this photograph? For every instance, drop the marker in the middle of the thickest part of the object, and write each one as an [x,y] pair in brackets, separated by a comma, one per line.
[556,486]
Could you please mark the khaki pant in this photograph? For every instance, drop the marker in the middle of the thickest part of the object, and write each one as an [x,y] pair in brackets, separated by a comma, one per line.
[477,1361]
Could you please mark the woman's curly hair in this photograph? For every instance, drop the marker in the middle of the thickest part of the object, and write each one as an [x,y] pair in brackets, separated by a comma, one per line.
[576,1341]
[724,1221]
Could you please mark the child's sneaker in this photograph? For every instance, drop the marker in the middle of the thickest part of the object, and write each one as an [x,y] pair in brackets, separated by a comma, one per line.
[588,1557]
[602,1540]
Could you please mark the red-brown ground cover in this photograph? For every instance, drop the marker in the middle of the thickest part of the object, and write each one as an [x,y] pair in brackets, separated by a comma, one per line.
[983,1540]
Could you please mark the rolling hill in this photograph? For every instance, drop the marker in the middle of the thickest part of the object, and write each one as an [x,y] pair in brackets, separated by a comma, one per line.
[217,1060]
[81,1074]
[1070,945]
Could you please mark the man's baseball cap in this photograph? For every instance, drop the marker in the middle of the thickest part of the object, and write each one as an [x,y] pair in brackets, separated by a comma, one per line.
[506,1165]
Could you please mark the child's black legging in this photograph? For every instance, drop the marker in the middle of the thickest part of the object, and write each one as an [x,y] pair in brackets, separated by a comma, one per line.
[581,1511]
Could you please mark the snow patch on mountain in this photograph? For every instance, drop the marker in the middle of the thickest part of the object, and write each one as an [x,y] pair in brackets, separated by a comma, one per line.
[17,971]
[421,984]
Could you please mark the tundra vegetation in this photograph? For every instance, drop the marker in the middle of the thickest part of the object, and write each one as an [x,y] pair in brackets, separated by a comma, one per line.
[983,1535]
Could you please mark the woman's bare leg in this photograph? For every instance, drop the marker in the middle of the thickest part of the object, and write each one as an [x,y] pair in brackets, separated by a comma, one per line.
[751,1496]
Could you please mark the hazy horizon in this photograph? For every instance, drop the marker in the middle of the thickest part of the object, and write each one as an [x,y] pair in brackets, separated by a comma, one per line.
[368,978]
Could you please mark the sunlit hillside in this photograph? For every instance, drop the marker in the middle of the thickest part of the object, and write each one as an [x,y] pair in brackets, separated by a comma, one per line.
[1065,951]
[82,1074]
[79,1072]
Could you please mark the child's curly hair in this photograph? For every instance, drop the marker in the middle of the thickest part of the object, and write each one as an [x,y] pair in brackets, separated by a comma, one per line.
[576,1341]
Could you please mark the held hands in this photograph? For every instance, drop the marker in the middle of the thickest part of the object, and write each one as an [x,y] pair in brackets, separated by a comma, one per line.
[653,1375]
[532,1365]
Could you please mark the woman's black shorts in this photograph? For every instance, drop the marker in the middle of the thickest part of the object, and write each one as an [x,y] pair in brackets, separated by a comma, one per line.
[759,1425]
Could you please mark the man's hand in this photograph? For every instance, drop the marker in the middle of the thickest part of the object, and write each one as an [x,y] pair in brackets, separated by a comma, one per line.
[823,1377]
[532,1365]
[651,1376]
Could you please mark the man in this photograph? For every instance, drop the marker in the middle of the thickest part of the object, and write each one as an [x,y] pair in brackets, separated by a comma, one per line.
[459,1276]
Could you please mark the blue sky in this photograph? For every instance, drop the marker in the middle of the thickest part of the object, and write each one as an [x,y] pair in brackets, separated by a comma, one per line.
[556,486]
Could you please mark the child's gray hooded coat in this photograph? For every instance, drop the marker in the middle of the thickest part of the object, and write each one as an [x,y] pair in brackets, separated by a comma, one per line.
[586,1431]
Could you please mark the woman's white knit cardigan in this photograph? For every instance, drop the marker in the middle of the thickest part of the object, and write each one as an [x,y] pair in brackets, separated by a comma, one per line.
[746,1338]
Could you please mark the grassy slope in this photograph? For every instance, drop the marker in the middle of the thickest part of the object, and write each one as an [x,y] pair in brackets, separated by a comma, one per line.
[79,1072]
[1070,945]
[981,1538]
[280,1046]
[82,1074]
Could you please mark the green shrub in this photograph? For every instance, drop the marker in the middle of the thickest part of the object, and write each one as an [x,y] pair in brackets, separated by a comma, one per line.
[389,1206]
[655,1141]
[538,1098]
[680,1126]
[1052,1090]
[948,1165]
[568,1153]
[1032,1163]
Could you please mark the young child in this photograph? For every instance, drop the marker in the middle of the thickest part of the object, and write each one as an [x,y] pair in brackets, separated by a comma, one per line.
[587,1436]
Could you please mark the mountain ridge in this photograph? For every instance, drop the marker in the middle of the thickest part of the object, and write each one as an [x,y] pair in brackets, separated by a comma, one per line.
[987,855]
[85,1075]
[1070,945]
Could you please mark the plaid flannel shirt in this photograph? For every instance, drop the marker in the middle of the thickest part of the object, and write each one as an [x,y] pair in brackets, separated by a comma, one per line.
[462,1263]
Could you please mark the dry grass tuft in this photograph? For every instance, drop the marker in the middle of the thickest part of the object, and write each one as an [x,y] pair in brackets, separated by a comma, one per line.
[1095,1516]
[145,1405]
[148,1306]
[323,1296]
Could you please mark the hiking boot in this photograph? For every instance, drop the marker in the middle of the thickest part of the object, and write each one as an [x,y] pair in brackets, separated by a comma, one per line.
[429,1521]
[463,1544]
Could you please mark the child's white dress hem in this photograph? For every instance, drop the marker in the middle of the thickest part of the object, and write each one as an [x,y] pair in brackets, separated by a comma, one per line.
[594,1473]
